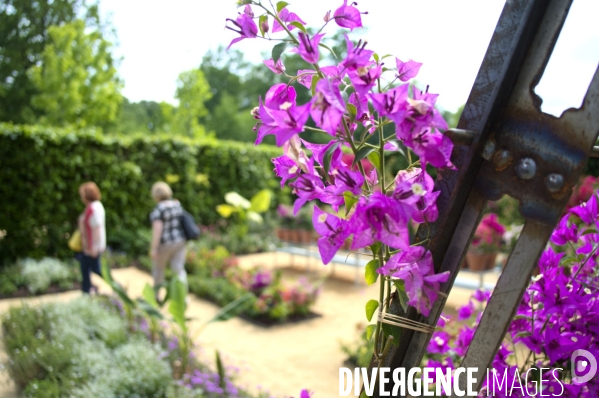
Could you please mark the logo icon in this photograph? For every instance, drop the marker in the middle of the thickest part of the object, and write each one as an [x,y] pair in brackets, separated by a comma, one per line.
[579,366]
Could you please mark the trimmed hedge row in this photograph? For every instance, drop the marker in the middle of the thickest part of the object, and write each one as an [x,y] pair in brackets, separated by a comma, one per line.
[41,169]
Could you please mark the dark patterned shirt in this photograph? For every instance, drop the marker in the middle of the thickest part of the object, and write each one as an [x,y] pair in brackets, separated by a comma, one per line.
[169,212]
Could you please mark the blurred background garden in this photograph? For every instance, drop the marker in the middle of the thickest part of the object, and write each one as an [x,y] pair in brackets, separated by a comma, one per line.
[65,119]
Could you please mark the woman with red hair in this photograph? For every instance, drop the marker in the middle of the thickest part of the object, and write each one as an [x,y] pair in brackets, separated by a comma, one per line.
[93,233]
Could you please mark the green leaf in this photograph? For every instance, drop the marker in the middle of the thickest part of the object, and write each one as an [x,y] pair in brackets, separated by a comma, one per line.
[362,153]
[230,310]
[375,248]
[177,306]
[376,57]
[221,372]
[226,210]
[277,51]
[236,200]
[255,217]
[315,80]
[149,295]
[351,109]
[151,311]
[370,273]
[375,159]
[363,395]
[327,158]
[350,201]
[589,231]
[391,330]
[328,48]
[398,147]
[568,261]
[260,202]
[370,329]
[401,293]
[261,21]
[371,307]
[116,287]
[298,25]
[281,5]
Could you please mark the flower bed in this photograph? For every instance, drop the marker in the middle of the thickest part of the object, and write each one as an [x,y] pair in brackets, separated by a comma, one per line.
[216,276]
[87,348]
[34,277]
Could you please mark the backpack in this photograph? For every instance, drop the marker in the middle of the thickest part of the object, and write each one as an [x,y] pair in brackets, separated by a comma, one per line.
[190,228]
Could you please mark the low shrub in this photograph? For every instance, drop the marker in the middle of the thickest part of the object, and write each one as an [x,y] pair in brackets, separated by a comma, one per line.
[37,276]
[87,348]
[216,276]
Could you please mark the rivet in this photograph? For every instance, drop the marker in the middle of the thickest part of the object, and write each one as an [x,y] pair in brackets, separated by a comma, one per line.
[502,159]
[489,150]
[554,182]
[526,168]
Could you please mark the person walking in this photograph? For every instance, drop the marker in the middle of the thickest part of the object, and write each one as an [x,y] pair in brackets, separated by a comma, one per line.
[168,236]
[92,227]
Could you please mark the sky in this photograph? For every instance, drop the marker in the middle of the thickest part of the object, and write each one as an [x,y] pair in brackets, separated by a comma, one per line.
[157,40]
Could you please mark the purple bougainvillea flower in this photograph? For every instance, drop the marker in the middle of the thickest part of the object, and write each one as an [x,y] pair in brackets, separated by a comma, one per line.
[244,25]
[333,232]
[357,57]
[421,114]
[286,17]
[560,345]
[407,70]
[414,266]
[319,150]
[277,68]
[284,123]
[434,148]
[587,211]
[285,168]
[414,190]
[565,232]
[306,75]
[362,112]
[348,16]
[439,343]
[363,79]
[463,340]
[278,95]
[379,218]
[305,394]
[308,47]
[346,180]
[307,187]
[465,311]
[481,296]
[392,103]
[327,106]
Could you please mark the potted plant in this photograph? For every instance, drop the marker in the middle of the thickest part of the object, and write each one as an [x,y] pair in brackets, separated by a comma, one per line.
[486,243]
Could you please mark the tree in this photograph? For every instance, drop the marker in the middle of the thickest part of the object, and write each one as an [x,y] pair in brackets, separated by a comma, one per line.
[76,79]
[192,92]
[24,33]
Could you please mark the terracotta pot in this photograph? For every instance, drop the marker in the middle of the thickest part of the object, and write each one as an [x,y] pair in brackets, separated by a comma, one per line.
[305,236]
[294,236]
[480,261]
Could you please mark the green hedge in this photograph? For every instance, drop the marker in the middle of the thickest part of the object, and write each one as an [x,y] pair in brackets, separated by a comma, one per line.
[41,169]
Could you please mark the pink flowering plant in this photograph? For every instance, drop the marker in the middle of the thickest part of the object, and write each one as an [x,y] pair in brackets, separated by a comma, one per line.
[488,235]
[558,315]
[365,105]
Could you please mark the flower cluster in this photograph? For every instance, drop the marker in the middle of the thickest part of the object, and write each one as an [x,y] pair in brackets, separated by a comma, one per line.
[558,315]
[366,108]
[488,235]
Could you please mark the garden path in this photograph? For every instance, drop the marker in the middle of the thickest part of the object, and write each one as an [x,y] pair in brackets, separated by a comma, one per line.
[282,359]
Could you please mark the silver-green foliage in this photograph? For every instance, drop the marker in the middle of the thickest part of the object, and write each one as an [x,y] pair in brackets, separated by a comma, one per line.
[40,274]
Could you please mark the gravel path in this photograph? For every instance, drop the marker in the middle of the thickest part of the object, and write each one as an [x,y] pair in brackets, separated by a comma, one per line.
[282,359]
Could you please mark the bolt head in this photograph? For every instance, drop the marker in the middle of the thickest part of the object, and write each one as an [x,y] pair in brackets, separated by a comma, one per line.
[489,150]
[526,168]
[554,182]
[502,159]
